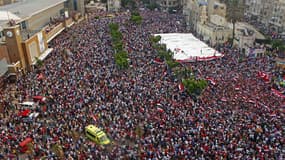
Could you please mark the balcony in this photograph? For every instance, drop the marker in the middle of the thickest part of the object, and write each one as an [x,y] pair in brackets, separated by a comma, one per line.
[53,30]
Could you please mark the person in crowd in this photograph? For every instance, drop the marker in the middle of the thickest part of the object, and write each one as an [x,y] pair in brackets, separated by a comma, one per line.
[238,118]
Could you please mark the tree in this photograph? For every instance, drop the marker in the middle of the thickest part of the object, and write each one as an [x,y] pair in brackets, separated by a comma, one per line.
[114,26]
[279,47]
[155,39]
[194,87]
[129,4]
[136,17]
[39,62]
[235,13]
[152,5]
[172,64]
[121,56]
[184,73]
[121,60]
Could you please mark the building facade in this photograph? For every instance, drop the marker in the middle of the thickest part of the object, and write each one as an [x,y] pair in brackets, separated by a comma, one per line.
[269,14]
[207,19]
[277,21]
[169,4]
[18,51]
[5,2]
[113,5]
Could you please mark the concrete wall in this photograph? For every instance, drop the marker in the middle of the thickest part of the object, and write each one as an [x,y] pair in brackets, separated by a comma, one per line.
[4,53]
[36,22]
[215,35]
[31,49]
[114,5]
[54,31]
[218,20]
[4,2]
[4,59]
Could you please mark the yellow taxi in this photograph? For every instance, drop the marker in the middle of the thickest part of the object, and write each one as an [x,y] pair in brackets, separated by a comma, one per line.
[96,135]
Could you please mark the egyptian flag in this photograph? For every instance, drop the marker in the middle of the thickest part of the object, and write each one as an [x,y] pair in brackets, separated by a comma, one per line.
[40,76]
[277,93]
[158,61]
[212,81]
[181,87]
[95,118]
[160,110]
[25,113]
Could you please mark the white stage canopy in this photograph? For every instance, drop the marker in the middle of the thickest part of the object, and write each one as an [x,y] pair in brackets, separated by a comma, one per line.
[186,47]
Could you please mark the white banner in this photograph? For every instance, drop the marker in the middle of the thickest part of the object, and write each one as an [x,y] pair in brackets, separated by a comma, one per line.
[3,66]
[41,42]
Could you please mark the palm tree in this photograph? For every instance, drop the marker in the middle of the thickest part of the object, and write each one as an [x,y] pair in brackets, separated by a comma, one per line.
[235,13]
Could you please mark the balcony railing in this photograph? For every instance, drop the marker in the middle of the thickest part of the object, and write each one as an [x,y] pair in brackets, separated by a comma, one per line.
[51,31]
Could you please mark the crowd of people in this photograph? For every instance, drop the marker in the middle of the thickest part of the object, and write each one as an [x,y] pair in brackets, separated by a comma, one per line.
[140,108]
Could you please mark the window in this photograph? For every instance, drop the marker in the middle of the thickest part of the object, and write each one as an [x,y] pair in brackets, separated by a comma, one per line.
[75,4]
[66,4]
[23,25]
[90,134]
[103,138]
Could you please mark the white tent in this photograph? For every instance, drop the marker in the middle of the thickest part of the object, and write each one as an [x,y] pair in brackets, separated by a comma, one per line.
[187,47]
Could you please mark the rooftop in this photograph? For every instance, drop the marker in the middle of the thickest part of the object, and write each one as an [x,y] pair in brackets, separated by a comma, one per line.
[26,8]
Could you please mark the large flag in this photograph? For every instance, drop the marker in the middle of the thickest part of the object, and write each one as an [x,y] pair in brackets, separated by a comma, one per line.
[181,87]
[264,76]
[158,61]
[212,81]
[40,76]
[277,93]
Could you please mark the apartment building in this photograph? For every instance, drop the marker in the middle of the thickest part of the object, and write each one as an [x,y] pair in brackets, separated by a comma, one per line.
[277,21]
[113,5]
[270,14]
[168,4]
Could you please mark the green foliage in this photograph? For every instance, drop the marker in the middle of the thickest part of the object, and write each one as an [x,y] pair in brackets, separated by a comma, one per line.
[165,55]
[121,59]
[276,44]
[152,5]
[279,46]
[194,87]
[39,62]
[129,4]
[235,13]
[172,64]
[172,10]
[118,45]
[184,73]
[121,56]
[114,26]
[136,18]
[135,13]
[155,39]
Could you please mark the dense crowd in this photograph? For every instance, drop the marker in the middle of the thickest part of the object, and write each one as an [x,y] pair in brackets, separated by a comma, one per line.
[142,109]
